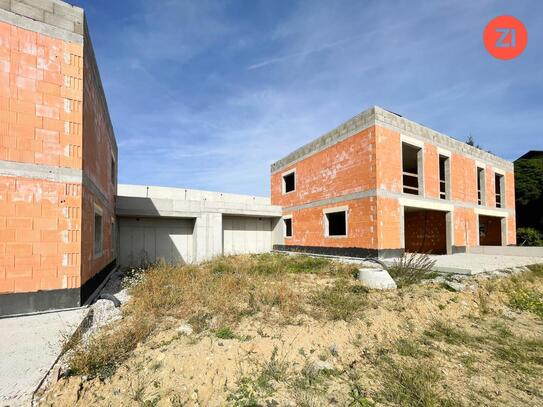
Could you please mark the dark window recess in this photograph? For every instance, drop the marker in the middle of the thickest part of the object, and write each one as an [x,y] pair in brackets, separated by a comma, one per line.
[498,185]
[337,223]
[480,183]
[442,177]
[288,227]
[290,182]
[113,171]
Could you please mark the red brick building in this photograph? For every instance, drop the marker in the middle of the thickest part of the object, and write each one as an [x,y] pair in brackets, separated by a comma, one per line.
[379,185]
[58,160]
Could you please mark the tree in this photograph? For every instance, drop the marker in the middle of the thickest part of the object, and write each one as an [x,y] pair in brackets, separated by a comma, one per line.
[529,192]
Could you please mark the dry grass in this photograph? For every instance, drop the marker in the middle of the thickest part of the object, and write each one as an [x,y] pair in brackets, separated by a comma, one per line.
[215,296]
[411,268]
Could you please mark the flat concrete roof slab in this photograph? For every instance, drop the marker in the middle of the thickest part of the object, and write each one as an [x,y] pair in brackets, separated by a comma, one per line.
[29,347]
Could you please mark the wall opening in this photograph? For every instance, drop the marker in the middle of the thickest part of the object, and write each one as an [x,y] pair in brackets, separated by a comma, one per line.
[98,232]
[444,177]
[336,223]
[481,186]
[425,231]
[490,231]
[411,169]
[289,182]
[498,185]
[288,227]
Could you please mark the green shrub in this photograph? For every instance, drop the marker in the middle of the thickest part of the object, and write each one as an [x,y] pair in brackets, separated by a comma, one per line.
[529,237]
[225,333]
[527,300]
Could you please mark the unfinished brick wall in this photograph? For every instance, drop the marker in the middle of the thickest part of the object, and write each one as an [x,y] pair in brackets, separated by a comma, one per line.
[308,229]
[39,219]
[99,151]
[344,168]
[49,184]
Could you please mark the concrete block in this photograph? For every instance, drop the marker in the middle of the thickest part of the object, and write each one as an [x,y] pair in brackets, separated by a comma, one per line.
[376,278]
[68,11]
[58,21]
[41,4]
[5,4]
[27,11]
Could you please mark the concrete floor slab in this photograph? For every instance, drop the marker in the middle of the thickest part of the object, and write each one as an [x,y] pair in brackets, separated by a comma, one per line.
[468,263]
[29,346]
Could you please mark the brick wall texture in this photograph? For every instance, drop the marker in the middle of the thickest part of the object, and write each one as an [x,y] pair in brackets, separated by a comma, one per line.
[46,226]
[369,165]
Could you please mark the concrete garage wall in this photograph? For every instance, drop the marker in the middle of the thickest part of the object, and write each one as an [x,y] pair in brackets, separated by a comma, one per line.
[246,234]
[148,240]
[223,223]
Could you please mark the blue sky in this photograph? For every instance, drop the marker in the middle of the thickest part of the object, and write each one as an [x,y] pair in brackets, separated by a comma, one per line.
[207,94]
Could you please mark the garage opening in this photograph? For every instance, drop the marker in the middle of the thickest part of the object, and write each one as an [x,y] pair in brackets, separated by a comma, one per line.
[246,234]
[145,241]
[425,231]
[490,231]
[411,169]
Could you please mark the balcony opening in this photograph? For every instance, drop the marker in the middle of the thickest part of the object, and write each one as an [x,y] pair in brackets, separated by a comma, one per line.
[480,186]
[411,169]
[444,177]
[498,184]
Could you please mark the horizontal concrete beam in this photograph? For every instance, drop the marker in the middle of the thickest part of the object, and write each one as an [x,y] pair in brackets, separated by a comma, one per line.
[141,200]
[405,200]
[184,194]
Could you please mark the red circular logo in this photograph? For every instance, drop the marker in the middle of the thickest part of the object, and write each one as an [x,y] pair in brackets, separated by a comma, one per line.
[505,37]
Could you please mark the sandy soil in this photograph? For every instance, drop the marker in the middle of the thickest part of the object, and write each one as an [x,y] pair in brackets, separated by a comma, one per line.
[203,370]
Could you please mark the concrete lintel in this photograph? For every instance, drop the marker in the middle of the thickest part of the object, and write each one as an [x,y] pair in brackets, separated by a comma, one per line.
[500,213]
[39,171]
[424,204]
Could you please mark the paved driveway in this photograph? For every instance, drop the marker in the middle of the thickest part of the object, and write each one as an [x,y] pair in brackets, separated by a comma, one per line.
[29,345]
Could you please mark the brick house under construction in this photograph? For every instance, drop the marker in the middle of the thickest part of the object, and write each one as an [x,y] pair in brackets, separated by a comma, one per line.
[379,185]
[58,156]
[375,186]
